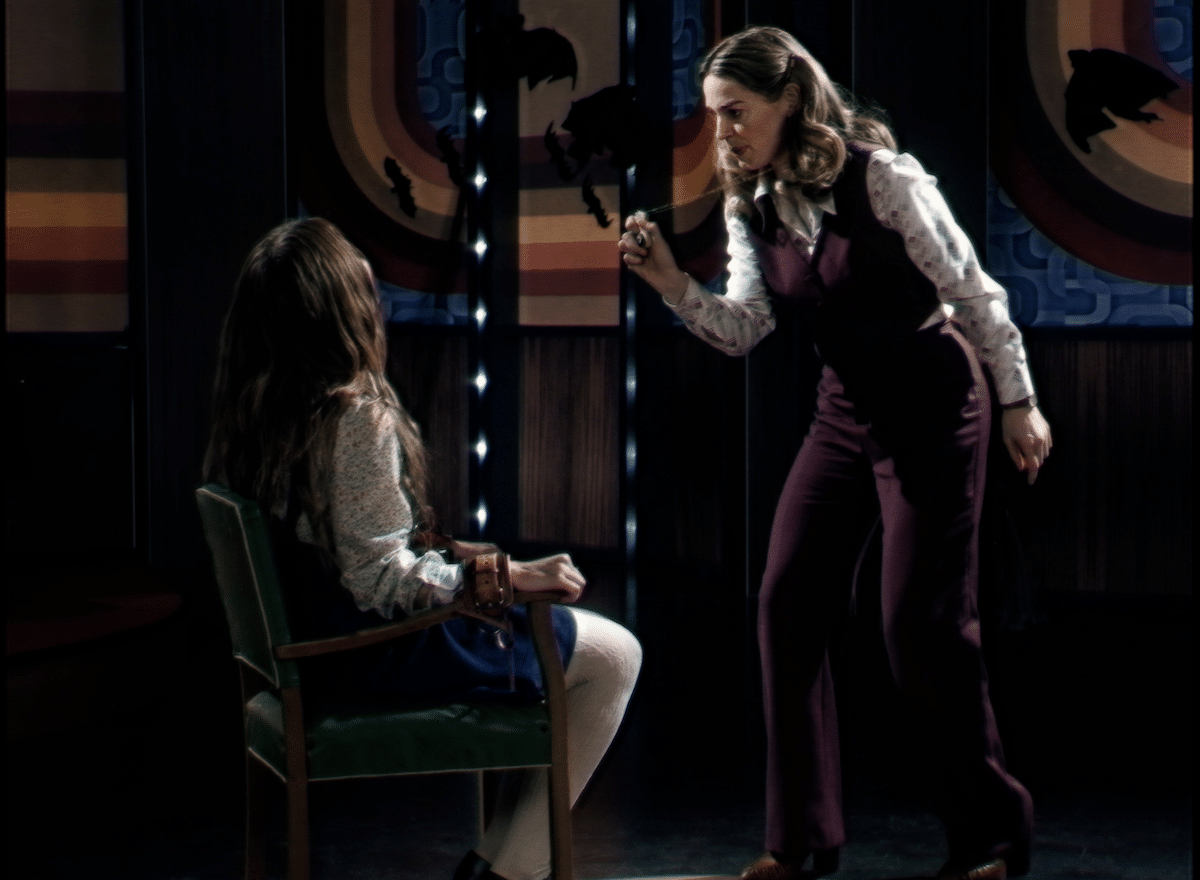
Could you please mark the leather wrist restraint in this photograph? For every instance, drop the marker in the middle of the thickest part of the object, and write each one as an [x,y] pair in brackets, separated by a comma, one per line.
[488,586]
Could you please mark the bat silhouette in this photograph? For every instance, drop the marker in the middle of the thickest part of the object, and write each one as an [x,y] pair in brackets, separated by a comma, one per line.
[402,185]
[610,120]
[450,156]
[558,156]
[593,203]
[1106,78]
[541,54]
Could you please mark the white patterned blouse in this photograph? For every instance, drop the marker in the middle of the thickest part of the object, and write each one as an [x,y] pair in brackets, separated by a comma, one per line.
[373,519]
[904,198]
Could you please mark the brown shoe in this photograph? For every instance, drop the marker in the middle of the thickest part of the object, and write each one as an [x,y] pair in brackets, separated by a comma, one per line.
[996,869]
[765,867]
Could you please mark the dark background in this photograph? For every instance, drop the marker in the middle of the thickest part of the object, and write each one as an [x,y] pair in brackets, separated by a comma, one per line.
[1087,595]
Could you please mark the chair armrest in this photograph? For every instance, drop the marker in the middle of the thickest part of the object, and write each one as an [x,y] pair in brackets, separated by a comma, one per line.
[373,636]
[364,637]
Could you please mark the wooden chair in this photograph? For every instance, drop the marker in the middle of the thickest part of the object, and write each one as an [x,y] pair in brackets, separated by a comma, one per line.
[281,740]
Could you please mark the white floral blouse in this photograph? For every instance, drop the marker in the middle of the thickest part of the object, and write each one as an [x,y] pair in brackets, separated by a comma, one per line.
[373,519]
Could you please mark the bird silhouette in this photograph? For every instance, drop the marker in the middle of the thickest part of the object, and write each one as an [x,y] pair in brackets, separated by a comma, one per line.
[1104,78]
[450,155]
[593,203]
[541,54]
[609,119]
[558,156]
[401,185]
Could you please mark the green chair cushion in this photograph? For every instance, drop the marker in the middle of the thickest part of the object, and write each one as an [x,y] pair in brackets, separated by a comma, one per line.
[386,743]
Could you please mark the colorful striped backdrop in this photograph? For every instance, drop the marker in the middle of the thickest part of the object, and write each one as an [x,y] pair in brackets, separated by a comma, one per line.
[66,226]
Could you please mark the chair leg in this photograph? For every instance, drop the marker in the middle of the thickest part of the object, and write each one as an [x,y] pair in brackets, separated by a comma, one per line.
[297,821]
[561,841]
[561,856]
[297,784]
[256,819]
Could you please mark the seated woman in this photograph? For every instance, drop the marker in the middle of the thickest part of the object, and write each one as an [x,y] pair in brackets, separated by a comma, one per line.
[306,424]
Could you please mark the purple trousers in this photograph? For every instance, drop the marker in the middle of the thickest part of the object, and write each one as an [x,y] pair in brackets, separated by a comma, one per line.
[914,459]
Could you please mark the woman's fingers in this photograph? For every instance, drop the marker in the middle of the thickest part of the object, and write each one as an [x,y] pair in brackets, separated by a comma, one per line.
[551,574]
[1028,439]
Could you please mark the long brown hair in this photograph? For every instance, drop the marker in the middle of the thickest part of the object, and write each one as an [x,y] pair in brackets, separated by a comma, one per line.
[766,60]
[302,339]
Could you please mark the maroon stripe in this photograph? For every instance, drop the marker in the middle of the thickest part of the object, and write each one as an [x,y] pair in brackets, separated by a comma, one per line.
[66,276]
[92,140]
[65,108]
[538,171]
[570,282]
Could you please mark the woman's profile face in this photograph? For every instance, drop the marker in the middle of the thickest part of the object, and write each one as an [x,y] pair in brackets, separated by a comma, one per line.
[749,125]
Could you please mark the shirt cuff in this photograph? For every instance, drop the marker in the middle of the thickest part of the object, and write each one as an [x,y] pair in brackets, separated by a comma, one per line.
[1030,401]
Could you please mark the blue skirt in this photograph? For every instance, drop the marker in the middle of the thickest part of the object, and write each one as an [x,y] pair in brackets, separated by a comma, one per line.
[462,660]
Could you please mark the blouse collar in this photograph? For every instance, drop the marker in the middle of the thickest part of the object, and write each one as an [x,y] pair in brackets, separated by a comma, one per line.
[794,208]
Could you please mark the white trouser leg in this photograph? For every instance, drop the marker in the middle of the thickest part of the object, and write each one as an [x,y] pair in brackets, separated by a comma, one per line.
[600,678]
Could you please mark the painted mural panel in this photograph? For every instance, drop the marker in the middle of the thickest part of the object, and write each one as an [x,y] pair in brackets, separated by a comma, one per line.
[365,154]
[66,220]
[1090,218]
[380,153]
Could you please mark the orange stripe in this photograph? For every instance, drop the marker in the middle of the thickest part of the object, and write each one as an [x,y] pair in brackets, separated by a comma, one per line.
[66,209]
[693,137]
[570,255]
[67,242]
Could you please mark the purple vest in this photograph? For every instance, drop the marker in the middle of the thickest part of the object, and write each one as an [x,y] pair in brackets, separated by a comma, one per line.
[860,293]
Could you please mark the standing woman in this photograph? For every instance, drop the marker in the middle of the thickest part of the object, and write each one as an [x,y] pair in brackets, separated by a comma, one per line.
[825,220]
[306,424]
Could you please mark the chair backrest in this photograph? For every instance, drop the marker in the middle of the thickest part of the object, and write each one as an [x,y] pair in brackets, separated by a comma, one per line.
[239,538]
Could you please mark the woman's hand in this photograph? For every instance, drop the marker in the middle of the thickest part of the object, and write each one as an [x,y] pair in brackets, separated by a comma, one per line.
[1027,436]
[553,574]
[652,260]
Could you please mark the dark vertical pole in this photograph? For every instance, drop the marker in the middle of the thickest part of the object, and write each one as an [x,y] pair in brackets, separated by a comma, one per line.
[476,170]
[648,42]
[135,187]
[629,317]
[494,144]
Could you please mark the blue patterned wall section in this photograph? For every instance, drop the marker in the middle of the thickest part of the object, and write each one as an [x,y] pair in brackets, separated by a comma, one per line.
[1173,34]
[1047,287]
[687,45]
[441,45]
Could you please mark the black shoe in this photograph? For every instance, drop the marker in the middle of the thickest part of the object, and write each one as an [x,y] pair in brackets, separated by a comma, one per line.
[475,867]
[768,867]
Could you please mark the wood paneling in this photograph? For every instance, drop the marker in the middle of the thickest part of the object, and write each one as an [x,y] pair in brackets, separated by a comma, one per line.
[429,371]
[1112,509]
[570,481]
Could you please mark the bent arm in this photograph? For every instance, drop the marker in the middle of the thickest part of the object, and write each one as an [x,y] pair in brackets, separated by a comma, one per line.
[373,520]
[740,318]
[905,198]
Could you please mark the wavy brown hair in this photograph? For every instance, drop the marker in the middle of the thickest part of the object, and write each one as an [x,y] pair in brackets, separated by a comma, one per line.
[766,60]
[302,339]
